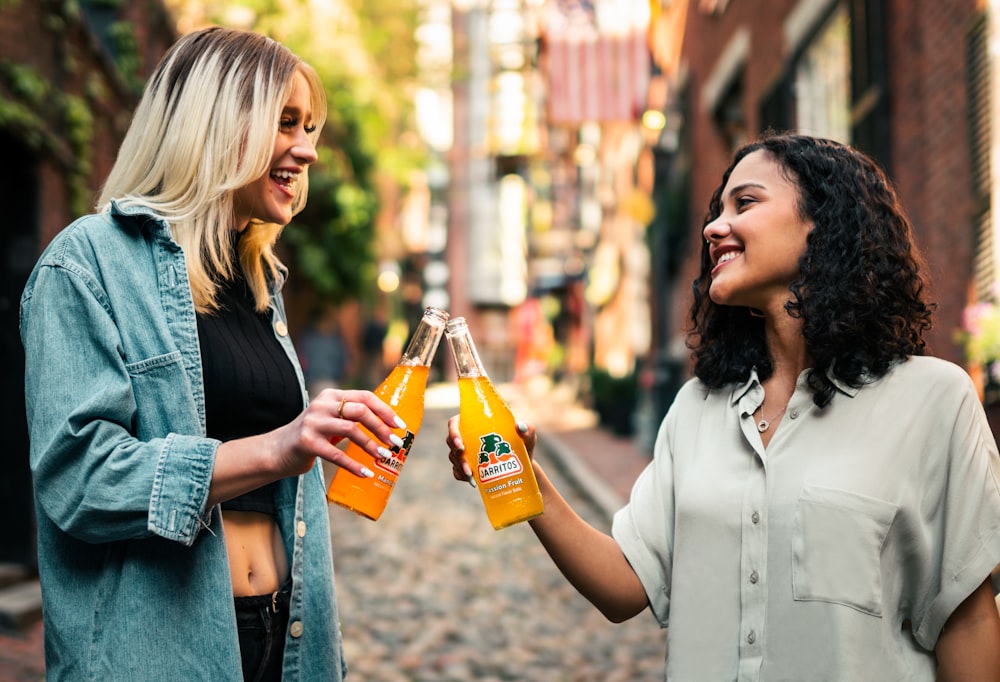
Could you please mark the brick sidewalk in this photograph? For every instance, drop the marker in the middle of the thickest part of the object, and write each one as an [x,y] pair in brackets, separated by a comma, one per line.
[21,655]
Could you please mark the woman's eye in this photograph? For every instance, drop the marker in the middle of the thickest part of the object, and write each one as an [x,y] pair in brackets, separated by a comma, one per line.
[288,124]
[743,202]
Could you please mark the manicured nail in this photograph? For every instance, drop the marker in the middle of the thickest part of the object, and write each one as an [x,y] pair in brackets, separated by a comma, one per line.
[400,424]
[396,440]
[522,427]
[468,474]
[367,473]
[383,453]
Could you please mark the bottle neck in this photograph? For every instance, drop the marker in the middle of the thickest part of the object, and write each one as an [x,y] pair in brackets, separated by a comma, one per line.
[467,362]
[426,337]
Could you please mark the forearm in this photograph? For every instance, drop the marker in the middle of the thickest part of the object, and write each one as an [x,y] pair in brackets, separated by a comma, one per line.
[968,649]
[241,466]
[591,560]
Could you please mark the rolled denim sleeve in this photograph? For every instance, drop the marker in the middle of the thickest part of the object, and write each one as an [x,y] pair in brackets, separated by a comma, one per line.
[103,469]
[180,488]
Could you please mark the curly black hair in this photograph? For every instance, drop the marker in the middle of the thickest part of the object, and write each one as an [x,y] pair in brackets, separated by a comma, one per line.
[860,292]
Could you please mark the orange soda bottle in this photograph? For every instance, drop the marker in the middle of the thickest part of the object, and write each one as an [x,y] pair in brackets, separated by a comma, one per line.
[403,390]
[493,448]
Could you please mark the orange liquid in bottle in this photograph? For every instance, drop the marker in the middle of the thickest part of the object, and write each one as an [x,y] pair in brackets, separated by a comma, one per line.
[496,454]
[403,390]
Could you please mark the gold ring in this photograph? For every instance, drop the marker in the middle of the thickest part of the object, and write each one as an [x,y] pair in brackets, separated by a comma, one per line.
[340,411]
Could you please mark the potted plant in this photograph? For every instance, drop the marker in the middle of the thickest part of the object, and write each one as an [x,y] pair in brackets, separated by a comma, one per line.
[615,399]
[980,339]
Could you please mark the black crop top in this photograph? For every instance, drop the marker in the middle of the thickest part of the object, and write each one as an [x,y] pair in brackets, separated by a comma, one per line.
[250,384]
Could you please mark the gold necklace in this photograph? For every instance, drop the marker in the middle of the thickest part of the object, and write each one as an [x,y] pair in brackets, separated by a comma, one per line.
[764,424]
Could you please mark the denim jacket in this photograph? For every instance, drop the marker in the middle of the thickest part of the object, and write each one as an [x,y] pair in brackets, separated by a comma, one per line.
[133,566]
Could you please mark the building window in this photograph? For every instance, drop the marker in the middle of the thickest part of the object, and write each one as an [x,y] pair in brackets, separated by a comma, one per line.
[980,72]
[834,83]
[822,81]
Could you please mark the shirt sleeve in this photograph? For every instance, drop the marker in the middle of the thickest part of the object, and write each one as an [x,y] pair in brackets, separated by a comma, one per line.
[962,517]
[95,476]
[643,528]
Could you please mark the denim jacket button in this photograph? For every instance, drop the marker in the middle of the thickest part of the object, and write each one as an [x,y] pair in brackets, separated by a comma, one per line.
[300,529]
[295,629]
[281,328]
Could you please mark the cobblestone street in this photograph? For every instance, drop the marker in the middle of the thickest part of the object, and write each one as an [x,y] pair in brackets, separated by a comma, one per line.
[432,593]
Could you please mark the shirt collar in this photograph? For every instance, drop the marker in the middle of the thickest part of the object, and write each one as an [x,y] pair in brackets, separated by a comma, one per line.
[753,382]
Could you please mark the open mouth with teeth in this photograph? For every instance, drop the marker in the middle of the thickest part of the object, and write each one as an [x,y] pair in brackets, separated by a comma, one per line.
[285,179]
[727,256]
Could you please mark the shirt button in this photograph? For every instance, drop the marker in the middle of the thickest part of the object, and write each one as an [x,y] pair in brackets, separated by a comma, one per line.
[755,517]
[300,529]
[751,638]
[281,328]
[295,629]
[794,414]
[753,577]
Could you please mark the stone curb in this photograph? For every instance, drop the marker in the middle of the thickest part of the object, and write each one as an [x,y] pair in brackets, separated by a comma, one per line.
[599,493]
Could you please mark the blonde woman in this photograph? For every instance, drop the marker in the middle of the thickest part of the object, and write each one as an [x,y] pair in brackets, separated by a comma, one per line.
[182,522]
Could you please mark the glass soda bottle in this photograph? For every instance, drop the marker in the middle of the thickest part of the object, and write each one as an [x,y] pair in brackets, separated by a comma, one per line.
[493,448]
[403,390]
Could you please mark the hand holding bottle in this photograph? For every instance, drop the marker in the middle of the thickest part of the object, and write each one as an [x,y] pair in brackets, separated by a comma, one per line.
[403,390]
[456,448]
[319,431]
[493,443]
[360,417]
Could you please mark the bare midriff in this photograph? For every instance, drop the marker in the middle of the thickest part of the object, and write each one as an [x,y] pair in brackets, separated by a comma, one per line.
[257,559]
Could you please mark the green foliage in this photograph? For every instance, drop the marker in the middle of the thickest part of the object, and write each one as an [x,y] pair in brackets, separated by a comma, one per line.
[126,51]
[50,121]
[330,241]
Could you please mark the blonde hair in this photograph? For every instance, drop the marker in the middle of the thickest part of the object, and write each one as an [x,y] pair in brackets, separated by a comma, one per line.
[204,128]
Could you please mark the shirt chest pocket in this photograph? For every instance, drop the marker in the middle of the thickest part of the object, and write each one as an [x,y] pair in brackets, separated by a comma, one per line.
[837,546]
[163,396]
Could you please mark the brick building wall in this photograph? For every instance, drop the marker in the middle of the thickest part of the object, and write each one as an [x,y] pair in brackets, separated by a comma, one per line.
[68,53]
[55,59]
[929,139]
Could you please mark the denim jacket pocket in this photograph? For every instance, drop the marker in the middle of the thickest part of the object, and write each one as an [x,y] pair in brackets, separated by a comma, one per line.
[836,548]
[163,394]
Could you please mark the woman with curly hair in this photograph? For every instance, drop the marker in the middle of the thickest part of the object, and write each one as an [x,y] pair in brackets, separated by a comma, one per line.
[824,500]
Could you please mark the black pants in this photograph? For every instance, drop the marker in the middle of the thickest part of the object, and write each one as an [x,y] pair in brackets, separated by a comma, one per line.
[262,622]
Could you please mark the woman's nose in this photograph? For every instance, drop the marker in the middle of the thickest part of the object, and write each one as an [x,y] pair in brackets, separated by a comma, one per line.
[304,150]
[716,230]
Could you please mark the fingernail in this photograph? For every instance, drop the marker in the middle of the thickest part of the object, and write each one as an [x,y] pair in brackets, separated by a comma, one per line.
[367,473]
[396,440]
[471,481]
[522,427]
[383,453]
[400,424]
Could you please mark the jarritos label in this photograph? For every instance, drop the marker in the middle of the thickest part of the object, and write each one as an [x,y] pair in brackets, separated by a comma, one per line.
[496,458]
[395,463]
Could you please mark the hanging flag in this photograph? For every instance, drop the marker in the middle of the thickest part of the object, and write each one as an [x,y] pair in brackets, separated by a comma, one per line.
[595,73]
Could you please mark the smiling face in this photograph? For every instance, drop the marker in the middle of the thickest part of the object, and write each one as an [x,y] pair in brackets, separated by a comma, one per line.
[757,240]
[269,199]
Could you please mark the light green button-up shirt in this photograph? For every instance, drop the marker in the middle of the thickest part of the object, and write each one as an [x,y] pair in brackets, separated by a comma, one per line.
[836,554]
